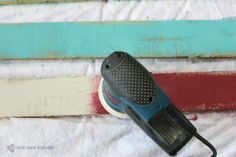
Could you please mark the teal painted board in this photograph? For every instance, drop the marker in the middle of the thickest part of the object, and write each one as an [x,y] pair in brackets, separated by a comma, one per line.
[98,39]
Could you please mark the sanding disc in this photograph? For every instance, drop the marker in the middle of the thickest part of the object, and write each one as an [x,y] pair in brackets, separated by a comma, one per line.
[106,106]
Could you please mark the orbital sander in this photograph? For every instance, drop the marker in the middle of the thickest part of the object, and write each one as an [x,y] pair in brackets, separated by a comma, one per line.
[127,89]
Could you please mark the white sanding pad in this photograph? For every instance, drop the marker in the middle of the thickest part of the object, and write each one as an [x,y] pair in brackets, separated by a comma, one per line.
[106,106]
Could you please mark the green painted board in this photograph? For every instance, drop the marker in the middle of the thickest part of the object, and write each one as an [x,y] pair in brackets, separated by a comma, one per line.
[98,39]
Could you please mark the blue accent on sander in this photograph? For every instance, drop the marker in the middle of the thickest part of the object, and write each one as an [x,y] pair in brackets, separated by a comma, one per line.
[127,88]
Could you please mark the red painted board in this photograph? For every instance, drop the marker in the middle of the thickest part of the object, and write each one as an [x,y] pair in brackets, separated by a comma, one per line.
[210,91]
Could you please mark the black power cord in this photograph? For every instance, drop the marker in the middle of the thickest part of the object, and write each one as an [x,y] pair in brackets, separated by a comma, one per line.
[203,140]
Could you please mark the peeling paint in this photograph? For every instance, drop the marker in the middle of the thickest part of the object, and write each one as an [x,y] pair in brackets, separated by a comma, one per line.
[160,39]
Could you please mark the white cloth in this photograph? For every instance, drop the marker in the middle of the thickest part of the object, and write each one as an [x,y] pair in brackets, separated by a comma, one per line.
[107,136]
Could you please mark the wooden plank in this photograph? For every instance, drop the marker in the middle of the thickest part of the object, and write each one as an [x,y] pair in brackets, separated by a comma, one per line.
[7,2]
[99,39]
[78,95]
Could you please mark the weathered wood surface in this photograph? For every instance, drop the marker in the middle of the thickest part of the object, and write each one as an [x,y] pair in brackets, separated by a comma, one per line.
[78,95]
[99,39]
[10,2]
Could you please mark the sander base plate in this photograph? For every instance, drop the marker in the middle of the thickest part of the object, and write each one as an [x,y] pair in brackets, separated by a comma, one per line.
[105,104]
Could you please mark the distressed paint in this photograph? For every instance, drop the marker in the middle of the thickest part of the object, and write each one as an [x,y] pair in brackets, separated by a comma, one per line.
[6,2]
[98,39]
[45,97]
[78,95]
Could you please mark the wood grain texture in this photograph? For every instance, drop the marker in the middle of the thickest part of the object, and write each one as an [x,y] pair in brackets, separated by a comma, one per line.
[99,39]
[45,97]
[78,95]
[8,2]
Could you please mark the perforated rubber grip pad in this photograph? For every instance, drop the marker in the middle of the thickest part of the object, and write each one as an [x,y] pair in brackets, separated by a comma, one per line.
[128,78]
